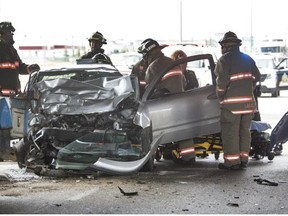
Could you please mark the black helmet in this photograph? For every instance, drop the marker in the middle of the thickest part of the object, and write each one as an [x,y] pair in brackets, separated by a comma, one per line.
[147,45]
[98,36]
[230,37]
[6,26]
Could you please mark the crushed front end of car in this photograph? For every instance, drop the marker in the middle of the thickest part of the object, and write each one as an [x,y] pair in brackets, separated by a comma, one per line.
[77,115]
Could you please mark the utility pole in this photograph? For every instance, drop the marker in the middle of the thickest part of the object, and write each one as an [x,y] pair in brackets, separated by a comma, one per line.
[251,25]
[180,20]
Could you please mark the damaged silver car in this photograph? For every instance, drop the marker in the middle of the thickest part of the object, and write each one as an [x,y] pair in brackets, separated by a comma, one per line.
[90,117]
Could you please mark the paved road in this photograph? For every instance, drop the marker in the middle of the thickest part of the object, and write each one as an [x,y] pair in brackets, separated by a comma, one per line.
[171,189]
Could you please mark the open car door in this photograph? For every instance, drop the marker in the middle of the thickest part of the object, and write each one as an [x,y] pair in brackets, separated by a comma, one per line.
[175,117]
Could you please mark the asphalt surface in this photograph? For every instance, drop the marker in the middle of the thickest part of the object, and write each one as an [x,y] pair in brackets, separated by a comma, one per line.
[171,189]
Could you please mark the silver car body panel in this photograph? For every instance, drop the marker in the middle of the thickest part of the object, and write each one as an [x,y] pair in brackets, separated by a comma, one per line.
[183,115]
[176,115]
[127,167]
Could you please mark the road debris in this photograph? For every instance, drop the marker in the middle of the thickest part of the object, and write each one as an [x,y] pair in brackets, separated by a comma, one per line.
[127,193]
[233,204]
[265,182]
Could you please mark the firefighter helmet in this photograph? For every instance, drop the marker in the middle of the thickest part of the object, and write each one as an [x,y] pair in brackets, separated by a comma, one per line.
[98,37]
[230,37]
[147,45]
[6,26]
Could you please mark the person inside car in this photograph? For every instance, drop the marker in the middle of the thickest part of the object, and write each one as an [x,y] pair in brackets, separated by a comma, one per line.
[173,82]
[96,42]
[190,76]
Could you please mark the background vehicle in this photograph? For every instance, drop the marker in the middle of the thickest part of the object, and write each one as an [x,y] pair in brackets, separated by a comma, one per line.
[124,62]
[274,74]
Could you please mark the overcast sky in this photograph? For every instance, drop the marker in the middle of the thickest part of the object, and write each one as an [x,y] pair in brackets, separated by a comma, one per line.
[139,19]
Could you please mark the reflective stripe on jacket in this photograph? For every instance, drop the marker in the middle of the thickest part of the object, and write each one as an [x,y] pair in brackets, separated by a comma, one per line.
[173,81]
[172,73]
[7,92]
[10,67]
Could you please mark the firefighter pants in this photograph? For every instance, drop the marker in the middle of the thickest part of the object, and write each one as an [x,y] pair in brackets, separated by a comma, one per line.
[236,136]
[187,150]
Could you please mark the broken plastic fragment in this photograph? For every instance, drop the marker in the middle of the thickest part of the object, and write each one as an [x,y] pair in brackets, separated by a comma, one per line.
[233,204]
[265,182]
[127,194]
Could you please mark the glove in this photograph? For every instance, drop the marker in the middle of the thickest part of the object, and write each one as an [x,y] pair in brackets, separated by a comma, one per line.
[33,67]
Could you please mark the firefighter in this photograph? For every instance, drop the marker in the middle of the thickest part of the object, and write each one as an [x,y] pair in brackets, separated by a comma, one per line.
[237,75]
[10,63]
[139,70]
[96,42]
[173,82]
[190,75]
[10,67]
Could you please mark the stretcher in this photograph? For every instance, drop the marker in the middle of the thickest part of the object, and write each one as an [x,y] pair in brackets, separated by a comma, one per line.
[261,145]
[279,135]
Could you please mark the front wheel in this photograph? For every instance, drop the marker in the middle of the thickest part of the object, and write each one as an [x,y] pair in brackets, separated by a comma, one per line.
[146,139]
[275,93]
[149,166]
[270,155]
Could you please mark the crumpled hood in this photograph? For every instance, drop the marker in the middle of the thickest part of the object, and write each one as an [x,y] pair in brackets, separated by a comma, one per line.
[71,97]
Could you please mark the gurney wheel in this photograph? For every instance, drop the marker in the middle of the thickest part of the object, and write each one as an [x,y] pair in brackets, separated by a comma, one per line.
[217,154]
[158,154]
[270,155]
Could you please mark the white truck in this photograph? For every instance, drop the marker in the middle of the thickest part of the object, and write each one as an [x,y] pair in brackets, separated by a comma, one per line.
[274,73]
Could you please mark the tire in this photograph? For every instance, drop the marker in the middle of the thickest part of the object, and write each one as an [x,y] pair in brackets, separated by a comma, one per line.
[21,150]
[217,155]
[278,149]
[146,139]
[149,166]
[275,93]
[5,149]
[158,154]
[270,156]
